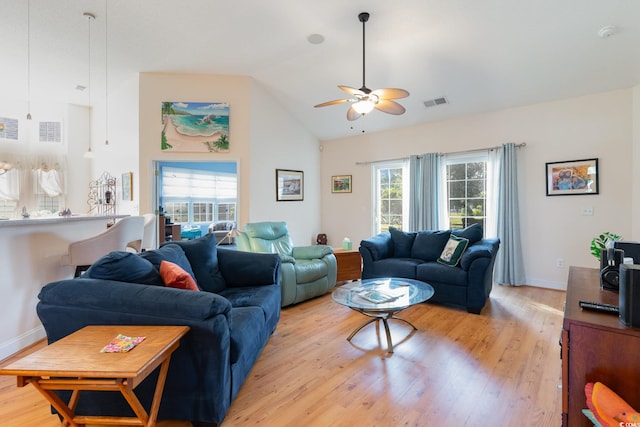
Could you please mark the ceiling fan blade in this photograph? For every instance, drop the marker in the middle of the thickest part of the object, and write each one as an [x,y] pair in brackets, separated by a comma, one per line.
[391,93]
[352,114]
[351,90]
[334,102]
[388,106]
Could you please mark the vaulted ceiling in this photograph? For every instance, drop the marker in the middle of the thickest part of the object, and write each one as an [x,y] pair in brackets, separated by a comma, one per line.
[479,55]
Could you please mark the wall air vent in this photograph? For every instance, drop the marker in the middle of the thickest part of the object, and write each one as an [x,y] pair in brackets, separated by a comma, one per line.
[436,101]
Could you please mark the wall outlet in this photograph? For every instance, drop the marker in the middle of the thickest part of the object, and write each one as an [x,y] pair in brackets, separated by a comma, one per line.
[560,263]
[587,211]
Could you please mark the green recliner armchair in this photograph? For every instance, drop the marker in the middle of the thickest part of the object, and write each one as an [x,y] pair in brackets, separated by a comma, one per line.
[307,271]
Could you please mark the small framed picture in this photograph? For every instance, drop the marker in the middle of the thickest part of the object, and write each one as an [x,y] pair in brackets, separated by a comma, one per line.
[289,185]
[127,191]
[341,184]
[572,177]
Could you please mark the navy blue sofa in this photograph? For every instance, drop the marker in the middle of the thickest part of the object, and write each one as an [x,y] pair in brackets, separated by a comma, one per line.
[414,255]
[231,319]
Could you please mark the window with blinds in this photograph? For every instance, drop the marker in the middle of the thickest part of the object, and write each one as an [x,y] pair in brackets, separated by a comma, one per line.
[198,196]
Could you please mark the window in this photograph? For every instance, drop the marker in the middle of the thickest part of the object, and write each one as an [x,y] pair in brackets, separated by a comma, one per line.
[390,195]
[50,131]
[191,196]
[202,212]
[47,189]
[177,211]
[466,182]
[226,212]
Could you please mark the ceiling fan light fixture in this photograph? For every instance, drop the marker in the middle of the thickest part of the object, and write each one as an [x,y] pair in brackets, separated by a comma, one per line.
[364,106]
[364,100]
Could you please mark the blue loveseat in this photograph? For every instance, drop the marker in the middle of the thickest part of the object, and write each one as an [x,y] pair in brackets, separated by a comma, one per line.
[415,255]
[231,319]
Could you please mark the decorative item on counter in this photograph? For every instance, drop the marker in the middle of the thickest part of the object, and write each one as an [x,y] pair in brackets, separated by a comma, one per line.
[321,239]
[346,244]
[66,212]
[25,214]
[107,197]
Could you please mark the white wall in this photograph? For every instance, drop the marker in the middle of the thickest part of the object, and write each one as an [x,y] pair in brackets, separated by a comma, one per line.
[262,137]
[598,125]
[280,142]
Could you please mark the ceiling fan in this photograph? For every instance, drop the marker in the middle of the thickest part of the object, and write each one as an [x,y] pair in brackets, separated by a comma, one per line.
[364,100]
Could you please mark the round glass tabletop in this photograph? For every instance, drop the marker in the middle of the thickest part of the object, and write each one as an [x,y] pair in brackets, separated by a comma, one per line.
[383,295]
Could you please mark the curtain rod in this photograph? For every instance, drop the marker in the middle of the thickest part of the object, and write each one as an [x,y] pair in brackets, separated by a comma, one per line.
[522,144]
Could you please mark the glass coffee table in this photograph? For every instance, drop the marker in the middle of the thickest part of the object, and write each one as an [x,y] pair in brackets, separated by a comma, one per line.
[381,299]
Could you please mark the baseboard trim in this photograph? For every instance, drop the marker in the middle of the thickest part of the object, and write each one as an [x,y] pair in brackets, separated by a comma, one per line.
[559,286]
[14,345]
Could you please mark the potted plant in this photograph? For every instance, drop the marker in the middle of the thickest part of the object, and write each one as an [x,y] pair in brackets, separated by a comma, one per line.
[603,241]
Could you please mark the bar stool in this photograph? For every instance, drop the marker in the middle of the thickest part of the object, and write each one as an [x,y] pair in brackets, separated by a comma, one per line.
[127,232]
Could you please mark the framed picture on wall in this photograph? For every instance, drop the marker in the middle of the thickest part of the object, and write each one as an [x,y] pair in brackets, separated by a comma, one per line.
[127,180]
[341,184]
[572,177]
[289,185]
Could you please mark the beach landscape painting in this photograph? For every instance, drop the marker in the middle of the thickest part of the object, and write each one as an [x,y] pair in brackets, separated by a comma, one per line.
[195,127]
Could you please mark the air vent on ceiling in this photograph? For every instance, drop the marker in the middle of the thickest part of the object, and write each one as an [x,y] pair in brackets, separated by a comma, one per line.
[436,101]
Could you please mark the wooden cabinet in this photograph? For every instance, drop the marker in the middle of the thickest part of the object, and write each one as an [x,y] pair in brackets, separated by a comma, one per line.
[595,347]
[167,232]
[349,264]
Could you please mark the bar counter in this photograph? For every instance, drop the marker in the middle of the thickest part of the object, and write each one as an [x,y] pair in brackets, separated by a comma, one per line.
[30,254]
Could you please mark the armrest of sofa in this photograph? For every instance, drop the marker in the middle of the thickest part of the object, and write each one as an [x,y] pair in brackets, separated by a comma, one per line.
[248,268]
[129,298]
[485,248]
[311,252]
[377,247]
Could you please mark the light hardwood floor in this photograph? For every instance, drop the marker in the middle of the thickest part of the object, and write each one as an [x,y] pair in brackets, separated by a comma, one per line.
[500,368]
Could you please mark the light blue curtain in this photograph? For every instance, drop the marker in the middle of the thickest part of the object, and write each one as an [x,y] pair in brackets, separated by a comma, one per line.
[509,267]
[424,188]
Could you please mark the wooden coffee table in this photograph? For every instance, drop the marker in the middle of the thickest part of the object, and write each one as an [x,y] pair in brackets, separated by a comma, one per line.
[76,363]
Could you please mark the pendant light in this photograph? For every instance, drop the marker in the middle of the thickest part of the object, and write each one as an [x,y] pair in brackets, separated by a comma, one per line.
[90,17]
[106,75]
[28,59]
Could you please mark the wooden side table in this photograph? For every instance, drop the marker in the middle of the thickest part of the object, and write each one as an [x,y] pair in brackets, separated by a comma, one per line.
[349,264]
[76,363]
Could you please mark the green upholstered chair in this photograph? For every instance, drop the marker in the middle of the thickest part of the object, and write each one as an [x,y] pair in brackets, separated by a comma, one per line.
[307,271]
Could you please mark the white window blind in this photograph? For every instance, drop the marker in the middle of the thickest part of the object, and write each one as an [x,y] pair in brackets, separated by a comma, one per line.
[189,183]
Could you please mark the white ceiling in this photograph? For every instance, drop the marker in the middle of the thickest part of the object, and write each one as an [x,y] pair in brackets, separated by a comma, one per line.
[480,55]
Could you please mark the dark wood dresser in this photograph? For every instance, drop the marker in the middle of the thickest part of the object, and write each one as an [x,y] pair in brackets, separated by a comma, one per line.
[595,347]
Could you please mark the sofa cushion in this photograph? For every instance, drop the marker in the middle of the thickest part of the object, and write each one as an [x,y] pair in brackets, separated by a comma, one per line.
[175,277]
[432,272]
[308,270]
[202,254]
[246,322]
[170,252]
[453,250]
[124,266]
[395,267]
[472,233]
[428,245]
[402,242]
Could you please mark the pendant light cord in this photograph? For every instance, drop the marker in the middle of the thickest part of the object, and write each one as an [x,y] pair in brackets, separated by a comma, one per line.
[106,74]
[29,60]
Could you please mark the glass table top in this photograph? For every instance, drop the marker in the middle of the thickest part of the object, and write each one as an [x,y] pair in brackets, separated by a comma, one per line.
[390,294]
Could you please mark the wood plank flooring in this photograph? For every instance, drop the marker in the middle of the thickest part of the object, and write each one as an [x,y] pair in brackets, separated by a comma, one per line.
[500,368]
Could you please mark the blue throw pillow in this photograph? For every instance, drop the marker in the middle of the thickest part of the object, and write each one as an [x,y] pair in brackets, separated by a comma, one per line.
[402,242]
[472,233]
[203,256]
[170,252]
[428,245]
[124,266]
